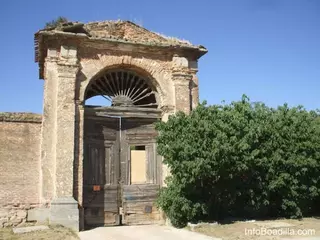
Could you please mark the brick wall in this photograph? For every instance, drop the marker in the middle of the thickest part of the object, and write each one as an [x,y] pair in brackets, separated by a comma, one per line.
[19,166]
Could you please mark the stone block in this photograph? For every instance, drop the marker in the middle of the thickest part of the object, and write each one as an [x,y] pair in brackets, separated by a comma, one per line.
[29,229]
[72,52]
[15,220]
[4,213]
[2,222]
[52,53]
[21,214]
[64,51]
[38,214]
[68,52]
[180,61]
[64,211]
[193,64]
[7,224]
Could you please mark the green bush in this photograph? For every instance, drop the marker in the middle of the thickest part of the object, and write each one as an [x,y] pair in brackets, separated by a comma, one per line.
[240,160]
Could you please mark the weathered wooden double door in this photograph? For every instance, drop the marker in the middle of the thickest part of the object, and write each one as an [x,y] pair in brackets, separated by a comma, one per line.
[121,171]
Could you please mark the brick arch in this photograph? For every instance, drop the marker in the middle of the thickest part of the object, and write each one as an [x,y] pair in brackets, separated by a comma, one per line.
[159,76]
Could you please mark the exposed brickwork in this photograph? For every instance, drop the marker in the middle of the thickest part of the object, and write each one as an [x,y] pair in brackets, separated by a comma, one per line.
[19,167]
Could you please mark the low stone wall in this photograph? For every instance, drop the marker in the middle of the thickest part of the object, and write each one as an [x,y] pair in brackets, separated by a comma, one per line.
[14,214]
[19,166]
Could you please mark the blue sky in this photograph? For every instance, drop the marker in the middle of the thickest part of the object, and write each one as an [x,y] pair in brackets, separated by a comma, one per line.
[267,49]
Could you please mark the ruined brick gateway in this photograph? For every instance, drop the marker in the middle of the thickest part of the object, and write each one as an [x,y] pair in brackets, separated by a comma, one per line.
[80,165]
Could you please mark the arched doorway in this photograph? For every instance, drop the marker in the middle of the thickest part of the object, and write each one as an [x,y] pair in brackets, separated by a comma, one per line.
[121,169]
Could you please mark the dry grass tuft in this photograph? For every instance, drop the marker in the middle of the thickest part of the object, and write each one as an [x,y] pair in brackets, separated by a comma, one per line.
[54,233]
[174,39]
[237,230]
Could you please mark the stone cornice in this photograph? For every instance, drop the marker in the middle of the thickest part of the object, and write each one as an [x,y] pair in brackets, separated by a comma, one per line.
[200,49]
[181,77]
[68,69]
[81,39]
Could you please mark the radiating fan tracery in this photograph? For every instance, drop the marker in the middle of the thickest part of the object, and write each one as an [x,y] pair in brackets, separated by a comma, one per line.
[123,88]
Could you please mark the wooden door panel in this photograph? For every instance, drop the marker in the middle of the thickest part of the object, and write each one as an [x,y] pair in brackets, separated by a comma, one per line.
[93,200]
[111,205]
[138,199]
[101,173]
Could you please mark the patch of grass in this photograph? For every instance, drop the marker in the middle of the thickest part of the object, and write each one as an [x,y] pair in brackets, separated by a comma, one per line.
[237,230]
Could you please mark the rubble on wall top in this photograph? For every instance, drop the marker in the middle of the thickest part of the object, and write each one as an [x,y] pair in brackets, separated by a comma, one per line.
[117,30]
[20,117]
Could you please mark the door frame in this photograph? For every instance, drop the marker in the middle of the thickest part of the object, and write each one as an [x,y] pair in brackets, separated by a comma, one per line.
[98,113]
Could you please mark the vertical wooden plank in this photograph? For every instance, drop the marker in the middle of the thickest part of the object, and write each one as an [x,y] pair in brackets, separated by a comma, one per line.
[95,164]
[129,164]
[124,154]
[116,160]
[111,165]
[149,162]
[125,163]
[155,163]
[102,165]
[159,169]
[90,161]
[85,164]
[107,165]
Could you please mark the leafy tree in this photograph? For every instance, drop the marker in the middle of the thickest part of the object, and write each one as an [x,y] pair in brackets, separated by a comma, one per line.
[240,160]
[57,22]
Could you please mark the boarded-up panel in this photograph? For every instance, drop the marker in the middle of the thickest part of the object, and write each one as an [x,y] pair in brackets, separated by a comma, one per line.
[138,166]
[138,204]
[138,213]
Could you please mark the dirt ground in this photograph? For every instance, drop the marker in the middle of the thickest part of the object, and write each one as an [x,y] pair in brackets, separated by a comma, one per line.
[54,233]
[264,230]
[274,230]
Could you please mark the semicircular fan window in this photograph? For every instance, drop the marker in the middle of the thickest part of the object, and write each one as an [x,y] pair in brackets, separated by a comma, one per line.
[123,88]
